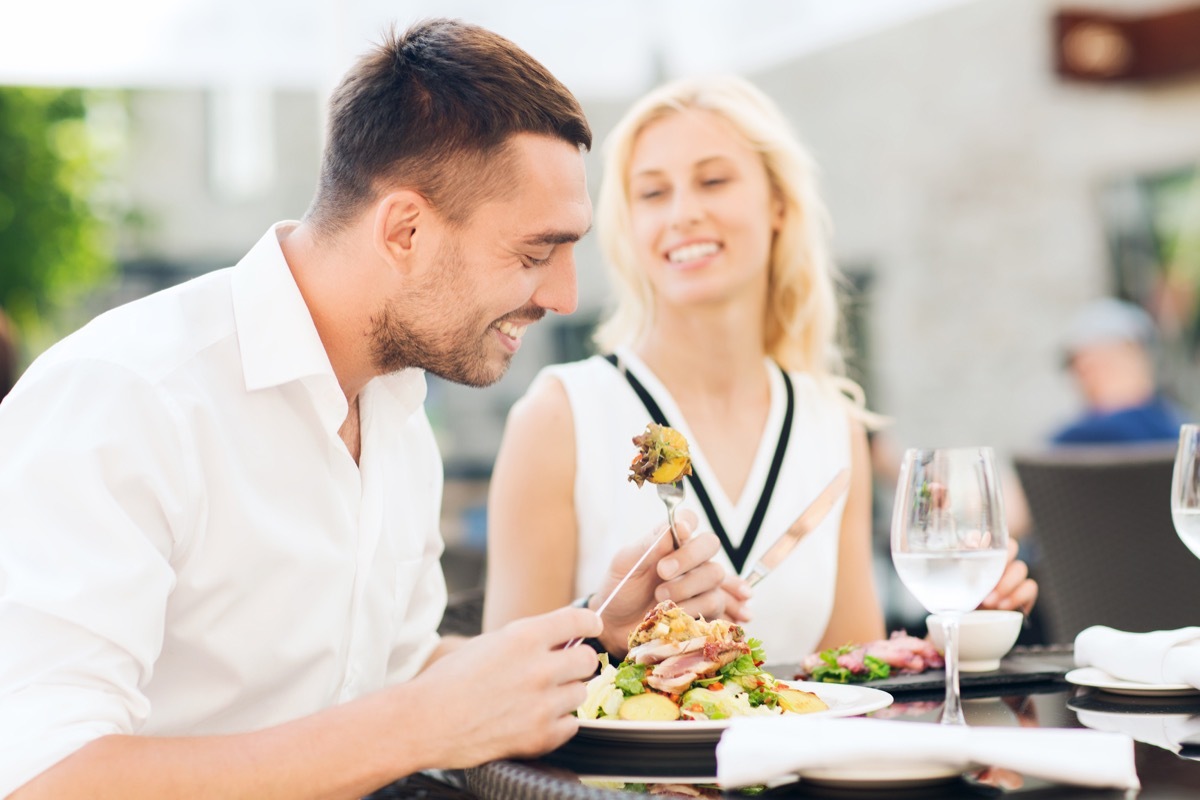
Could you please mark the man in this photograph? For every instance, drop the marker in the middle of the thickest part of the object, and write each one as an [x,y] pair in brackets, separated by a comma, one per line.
[219,570]
[1108,353]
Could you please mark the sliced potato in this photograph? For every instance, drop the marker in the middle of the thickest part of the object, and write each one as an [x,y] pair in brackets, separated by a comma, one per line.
[798,702]
[648,707]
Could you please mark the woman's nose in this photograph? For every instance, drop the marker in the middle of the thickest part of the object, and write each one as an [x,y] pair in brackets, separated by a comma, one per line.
[686,209]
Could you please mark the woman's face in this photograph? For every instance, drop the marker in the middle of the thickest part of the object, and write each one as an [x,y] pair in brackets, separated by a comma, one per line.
[702,210]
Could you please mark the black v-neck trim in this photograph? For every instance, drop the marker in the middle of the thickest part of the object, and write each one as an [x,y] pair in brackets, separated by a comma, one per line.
[737,555]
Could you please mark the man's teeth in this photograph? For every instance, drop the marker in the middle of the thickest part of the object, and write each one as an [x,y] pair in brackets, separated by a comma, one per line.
[508,329]
[691,252]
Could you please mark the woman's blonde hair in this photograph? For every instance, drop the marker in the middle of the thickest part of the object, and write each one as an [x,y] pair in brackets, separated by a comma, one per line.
[802,322]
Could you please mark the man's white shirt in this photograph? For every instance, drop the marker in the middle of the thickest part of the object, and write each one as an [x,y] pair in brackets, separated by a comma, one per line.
[186,544]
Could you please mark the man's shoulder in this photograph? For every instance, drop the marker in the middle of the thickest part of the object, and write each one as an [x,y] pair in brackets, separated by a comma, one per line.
[1151,421]
[155,335]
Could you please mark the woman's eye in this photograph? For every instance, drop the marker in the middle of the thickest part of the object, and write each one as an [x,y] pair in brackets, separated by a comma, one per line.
[650,194]
[714,181]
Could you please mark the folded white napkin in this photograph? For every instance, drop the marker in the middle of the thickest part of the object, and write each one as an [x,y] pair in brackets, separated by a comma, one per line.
[764,749]
[1154,658]
[1168,731]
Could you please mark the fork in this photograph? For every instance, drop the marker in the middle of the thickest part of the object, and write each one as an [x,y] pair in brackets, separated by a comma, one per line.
[672,495]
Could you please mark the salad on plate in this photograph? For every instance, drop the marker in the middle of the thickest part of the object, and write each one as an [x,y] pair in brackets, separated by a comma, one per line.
[684,668]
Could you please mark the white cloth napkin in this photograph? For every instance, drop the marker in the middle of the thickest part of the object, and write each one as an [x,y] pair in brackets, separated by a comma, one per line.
[762,750]
[1154,658]
[1168,731]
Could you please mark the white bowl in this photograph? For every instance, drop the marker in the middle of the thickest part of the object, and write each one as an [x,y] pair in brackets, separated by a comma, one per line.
[984,637]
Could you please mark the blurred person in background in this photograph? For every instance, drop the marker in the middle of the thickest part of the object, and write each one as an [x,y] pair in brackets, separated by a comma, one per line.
[219,575]
[8,354]
[1108,348]
[727,319]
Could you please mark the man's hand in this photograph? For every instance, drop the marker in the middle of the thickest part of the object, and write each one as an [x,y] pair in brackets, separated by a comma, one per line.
[510,693]
[687,576]
[1016,590]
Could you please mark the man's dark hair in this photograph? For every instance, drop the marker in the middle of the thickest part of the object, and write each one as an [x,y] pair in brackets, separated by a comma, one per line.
[433,110]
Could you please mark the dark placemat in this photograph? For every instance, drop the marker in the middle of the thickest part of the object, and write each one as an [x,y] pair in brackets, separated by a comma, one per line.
[1023,667]
[597,757]
[1095,700]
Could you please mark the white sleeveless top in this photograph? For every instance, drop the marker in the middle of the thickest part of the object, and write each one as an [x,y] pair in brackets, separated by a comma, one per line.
[792,606]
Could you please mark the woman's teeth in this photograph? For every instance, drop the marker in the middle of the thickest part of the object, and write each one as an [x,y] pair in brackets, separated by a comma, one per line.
[691,252]
[508,329]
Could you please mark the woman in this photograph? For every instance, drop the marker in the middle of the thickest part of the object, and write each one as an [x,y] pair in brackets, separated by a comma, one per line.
[726,321]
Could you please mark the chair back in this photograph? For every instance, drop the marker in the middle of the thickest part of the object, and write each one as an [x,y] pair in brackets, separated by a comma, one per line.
[464,613]
[1107,552]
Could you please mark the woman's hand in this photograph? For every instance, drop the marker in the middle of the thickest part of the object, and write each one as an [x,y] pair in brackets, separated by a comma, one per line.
[1016,590]
[687,576]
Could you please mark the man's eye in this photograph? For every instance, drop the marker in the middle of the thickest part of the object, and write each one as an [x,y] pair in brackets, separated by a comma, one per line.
[538,262]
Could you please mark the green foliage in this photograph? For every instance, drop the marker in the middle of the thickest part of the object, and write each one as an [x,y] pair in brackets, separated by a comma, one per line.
[53,244]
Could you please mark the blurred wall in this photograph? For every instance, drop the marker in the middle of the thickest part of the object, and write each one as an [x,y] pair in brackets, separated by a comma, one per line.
[965,174]
[960,172]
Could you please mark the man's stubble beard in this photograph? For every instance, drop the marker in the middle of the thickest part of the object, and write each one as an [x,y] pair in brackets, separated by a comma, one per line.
[457,353]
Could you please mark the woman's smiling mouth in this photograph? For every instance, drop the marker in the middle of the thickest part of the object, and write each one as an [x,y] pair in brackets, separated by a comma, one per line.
[692,252]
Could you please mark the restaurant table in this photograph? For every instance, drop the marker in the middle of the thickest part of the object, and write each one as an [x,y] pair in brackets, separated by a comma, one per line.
[1028,690]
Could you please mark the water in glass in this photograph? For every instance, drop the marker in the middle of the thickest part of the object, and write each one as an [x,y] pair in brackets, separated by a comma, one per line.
[949,540]
[1185,488]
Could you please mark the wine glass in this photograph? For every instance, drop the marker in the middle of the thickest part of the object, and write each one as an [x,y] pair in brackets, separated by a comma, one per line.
[1185,488]
[949,541]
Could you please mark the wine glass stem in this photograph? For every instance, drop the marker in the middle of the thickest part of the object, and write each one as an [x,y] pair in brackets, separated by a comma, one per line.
[952,713]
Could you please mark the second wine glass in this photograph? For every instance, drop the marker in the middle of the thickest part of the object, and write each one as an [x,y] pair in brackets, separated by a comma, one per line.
[949,540]
[1185,488]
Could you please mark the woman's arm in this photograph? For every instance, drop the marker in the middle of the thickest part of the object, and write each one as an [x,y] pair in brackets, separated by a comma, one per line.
[532,533]
[857,616]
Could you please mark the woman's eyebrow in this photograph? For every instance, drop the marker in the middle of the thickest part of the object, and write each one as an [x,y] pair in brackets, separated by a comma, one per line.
[652,171]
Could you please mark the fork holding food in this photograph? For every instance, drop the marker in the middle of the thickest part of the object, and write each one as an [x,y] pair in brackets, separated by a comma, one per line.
[664,460]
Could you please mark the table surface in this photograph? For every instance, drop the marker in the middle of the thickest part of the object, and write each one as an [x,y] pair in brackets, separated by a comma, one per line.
[585,770]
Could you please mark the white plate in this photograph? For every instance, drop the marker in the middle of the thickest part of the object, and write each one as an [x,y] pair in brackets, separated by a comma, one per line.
[878,776]
[844,700]
[1099,679]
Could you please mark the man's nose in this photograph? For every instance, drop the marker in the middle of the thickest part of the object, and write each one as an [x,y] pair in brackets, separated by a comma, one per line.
[559,291]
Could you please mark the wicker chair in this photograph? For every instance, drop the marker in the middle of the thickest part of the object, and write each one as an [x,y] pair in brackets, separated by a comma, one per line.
[1107,549]
[464,613]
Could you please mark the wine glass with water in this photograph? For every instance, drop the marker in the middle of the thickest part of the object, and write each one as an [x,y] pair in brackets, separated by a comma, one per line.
[1185,488]
[949,540]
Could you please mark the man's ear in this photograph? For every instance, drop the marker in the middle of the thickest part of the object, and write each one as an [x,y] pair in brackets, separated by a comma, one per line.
[398,217]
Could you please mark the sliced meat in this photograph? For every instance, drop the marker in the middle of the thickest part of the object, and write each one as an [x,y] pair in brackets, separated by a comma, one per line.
[903,653]
[677,673]
[660,649]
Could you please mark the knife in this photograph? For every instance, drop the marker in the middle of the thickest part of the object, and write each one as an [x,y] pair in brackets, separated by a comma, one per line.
[805,523]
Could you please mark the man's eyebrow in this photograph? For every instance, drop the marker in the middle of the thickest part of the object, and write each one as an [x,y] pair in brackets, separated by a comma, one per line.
[555,237]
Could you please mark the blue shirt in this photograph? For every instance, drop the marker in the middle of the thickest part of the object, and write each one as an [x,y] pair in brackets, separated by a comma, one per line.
[1155,420]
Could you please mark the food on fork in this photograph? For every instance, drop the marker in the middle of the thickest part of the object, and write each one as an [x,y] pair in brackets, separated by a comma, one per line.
[681,667]
[662,456]
[855,663]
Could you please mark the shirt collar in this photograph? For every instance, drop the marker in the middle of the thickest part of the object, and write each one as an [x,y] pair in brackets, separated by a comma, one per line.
[276,334]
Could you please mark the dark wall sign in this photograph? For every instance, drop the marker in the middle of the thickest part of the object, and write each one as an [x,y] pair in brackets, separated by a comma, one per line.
[1104,47]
